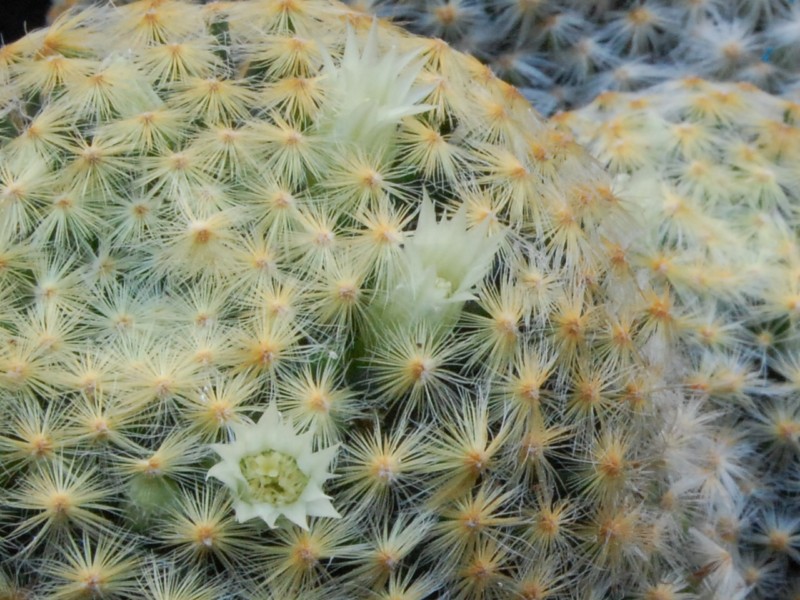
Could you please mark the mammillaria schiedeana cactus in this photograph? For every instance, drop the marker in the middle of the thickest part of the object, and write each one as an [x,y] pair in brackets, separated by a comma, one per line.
[713,170]
[210,214]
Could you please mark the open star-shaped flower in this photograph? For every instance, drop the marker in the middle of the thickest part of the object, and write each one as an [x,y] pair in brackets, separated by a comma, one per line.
[271,470]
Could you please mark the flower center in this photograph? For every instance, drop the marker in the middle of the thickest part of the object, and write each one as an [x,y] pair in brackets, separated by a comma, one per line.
[273,477]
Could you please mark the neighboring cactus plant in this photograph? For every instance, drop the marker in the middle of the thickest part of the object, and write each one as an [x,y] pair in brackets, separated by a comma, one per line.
[563,54]
[206,209]
[713,171]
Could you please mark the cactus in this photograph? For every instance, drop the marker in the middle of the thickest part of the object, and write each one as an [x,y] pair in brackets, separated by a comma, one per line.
[212,214]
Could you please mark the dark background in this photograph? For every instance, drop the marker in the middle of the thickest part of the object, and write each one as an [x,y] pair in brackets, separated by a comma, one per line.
[19,16]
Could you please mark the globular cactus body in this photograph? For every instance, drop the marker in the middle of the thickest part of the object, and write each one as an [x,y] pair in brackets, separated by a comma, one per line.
[215,213]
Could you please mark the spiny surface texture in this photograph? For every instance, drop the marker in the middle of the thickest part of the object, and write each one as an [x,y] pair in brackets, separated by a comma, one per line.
[245,246]
[563,53]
